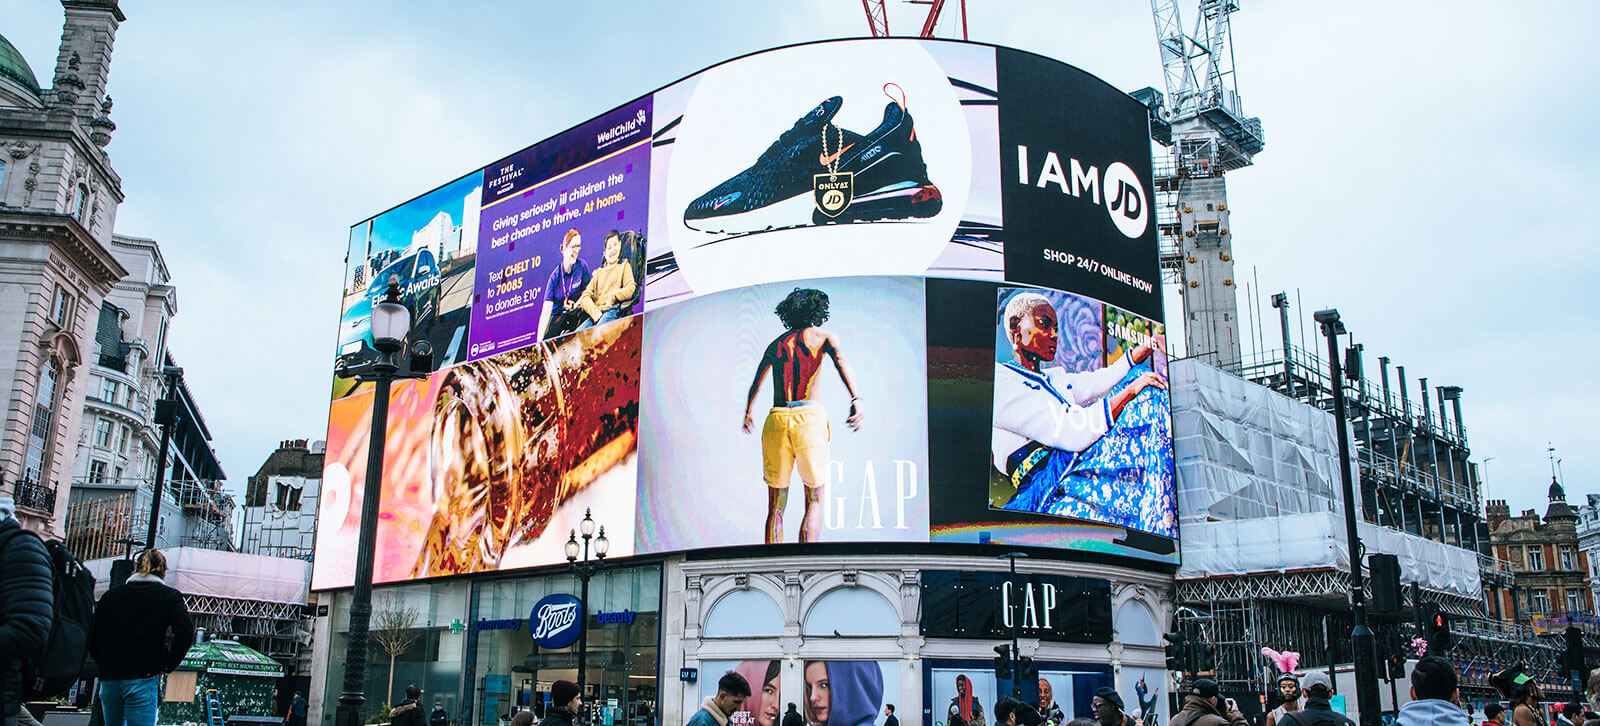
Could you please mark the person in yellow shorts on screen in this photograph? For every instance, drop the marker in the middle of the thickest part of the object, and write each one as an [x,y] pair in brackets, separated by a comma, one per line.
[796,433]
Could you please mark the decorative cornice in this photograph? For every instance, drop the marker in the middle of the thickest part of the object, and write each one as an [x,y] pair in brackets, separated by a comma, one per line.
[68,236]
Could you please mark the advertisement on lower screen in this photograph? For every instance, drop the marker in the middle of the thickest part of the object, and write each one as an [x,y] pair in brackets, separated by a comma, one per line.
[786,412]
[835,692]
[963,696]
[483,457]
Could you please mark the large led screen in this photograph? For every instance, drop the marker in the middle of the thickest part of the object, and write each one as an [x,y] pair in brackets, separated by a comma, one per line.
[768,305]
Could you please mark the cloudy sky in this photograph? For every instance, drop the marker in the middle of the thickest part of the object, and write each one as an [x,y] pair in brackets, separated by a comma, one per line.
[1425,169]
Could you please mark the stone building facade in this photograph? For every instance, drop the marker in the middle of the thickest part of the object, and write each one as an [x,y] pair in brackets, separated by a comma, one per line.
[1551,569]
[58,205]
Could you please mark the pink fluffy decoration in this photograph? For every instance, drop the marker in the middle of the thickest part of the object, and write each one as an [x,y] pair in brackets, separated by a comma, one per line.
[1286,661]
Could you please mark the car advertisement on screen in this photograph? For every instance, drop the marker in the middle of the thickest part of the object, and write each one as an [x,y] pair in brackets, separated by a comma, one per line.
[428,248]
[799,405]
[562,243]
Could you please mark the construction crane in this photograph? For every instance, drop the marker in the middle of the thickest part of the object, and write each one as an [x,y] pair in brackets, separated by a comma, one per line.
[878,17]
[1202,125]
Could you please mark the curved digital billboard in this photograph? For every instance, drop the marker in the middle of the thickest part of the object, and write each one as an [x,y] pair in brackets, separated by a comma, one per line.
[913,300]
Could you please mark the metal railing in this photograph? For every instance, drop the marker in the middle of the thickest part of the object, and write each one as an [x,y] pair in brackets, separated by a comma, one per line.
[34,495]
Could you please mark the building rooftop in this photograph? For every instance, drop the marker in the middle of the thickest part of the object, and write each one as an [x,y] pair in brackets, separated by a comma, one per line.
[15,67]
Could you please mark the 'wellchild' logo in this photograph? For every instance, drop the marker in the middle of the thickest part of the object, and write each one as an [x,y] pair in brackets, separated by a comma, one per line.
[554,622]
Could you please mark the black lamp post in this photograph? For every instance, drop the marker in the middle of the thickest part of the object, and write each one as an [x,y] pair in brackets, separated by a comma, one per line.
[1361,637]
[390,324]
[1016,623]
[166,418]
[585,569]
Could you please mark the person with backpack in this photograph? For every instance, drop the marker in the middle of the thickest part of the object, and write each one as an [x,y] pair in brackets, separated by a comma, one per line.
[27,607]
[297,710]
[141,630]
[1435,696]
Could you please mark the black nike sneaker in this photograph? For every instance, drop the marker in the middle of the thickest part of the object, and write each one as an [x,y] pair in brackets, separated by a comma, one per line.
[888,178]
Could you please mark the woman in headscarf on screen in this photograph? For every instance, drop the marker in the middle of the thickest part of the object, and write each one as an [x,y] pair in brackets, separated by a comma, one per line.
[762,707]
[965,706]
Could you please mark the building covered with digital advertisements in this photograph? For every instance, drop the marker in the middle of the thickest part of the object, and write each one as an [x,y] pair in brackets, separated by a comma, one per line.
[822,371]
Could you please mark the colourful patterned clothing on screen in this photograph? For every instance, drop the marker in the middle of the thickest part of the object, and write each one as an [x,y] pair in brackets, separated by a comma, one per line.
[1124,478]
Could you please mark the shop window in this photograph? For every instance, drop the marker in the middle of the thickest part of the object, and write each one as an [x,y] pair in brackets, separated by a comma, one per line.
[852,611]
[1136,626]
[744,613]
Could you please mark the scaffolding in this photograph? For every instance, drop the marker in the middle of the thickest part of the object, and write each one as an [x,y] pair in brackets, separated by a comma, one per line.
[1265,562]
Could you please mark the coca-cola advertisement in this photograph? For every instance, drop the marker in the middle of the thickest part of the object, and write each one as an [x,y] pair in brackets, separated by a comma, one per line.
[490,463]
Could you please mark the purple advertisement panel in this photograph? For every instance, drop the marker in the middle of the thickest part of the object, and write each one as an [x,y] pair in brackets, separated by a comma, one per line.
[561,244]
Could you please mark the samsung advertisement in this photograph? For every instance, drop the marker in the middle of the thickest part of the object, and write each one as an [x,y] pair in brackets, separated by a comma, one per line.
[916,302]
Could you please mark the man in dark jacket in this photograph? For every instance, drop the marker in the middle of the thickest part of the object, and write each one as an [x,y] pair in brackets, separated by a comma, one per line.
[27,605]
[889,717]
[141,630]
[409,711]
[1202,706]
[792,717]
[565,702]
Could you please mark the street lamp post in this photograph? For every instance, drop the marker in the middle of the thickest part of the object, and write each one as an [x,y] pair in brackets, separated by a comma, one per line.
[390,323]
[166,418]
[585,569]
[1361,637]
[1011,613]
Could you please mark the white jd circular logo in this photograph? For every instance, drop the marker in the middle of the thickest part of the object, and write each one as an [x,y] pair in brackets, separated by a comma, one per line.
[833,200]
[1126,201]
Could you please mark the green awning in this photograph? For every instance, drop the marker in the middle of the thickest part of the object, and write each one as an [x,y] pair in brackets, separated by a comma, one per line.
[229,658]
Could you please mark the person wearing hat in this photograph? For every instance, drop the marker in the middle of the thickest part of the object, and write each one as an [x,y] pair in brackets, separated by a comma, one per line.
[1317,711]
[1108,707]
[27,605]
[565,700]
[1525,708]
[1203,705]
[1289,693]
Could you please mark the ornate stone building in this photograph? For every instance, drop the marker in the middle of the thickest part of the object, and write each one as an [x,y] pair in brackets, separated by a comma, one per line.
[58,205]
[1550,568]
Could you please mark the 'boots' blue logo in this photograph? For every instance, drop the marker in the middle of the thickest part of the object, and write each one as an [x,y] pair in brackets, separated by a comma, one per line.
[554,622]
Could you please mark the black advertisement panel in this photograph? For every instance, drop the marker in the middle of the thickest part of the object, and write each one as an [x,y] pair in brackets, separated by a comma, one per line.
[1076,184]
[959,604]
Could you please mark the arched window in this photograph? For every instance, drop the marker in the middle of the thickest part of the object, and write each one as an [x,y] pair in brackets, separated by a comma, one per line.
[852,611]
[44,422]
[744,613]
[1136,625]
[80,210]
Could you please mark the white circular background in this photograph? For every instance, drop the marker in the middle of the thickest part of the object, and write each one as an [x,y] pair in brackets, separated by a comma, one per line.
[738,110]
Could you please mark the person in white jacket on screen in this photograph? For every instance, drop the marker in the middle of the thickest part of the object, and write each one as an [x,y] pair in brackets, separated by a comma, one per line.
[1048,405]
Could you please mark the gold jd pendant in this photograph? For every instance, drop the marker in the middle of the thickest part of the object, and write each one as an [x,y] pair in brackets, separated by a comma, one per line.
[833,192]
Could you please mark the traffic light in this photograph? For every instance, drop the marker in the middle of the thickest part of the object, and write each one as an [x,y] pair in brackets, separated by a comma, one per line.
[1395,654]
[1438,625]
[1025,668]
[1574,656]
[1177,651]
[1205,657]
[1002,662]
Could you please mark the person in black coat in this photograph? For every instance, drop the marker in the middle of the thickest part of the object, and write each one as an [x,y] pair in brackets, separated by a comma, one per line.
[27,604]
[409,711]
[792,717]
[565,702]
[141,630]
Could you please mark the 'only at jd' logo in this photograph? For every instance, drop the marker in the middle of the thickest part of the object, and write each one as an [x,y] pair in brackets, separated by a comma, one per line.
[554,622]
